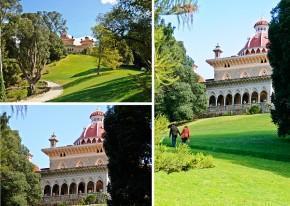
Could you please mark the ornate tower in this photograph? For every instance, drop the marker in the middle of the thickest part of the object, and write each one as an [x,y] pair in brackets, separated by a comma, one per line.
[217,51]
[53,141]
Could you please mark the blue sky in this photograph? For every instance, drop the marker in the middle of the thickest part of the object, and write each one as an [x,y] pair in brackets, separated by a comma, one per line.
[41,121]
[80,15]
[226,22]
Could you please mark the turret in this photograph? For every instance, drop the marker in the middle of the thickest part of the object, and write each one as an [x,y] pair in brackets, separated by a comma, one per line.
[53,141]
[217,51]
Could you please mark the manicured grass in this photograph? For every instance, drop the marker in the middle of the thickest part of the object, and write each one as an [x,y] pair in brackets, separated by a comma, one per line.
[253,135]
[245,150]
[77,74]
[236,180]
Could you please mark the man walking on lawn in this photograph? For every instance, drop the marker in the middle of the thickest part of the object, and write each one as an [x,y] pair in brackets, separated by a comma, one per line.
[173,133]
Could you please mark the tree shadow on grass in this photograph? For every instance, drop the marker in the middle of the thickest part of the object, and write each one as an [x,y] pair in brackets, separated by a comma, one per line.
[110,91]
[262,150]
[90,71]
[82,79]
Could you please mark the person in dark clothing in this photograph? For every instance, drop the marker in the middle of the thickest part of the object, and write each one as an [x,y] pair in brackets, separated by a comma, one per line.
[173,133]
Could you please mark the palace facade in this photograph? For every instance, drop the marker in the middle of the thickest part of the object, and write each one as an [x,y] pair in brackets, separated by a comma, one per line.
[76,170]
[243,79]
[73,46]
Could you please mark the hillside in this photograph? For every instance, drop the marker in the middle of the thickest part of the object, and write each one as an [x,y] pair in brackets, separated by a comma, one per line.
[246,151]
[77,74]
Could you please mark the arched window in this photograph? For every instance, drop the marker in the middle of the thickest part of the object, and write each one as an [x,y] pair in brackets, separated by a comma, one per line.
[246,98]
[90,187]
[229,99]
[220,100]
[99,186]
[81,188]
[55,190]
[83,141]
[212,101]
[73,188]
[254,97]
[64,189]
[237,99]
[94,140]
[89,141]
[47,190]
[263,96]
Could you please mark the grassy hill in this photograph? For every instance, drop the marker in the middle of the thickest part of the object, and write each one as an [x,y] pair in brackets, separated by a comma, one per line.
[246,152]
[77,74]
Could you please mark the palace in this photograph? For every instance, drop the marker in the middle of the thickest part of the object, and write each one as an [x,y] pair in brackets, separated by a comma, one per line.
[244,79]
[73,46]
[76,170]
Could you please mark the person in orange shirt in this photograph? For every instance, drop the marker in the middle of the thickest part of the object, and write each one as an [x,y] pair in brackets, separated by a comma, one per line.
[185,134]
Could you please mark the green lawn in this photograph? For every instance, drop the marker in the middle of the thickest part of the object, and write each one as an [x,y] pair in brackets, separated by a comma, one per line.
[245,151]
[77,74]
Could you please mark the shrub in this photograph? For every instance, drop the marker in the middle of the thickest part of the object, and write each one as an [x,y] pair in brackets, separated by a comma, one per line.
[90,199]
[161,123]
[255,109]
[180,159]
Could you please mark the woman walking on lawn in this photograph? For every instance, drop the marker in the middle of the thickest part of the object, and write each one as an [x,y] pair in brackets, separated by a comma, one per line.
[185,134]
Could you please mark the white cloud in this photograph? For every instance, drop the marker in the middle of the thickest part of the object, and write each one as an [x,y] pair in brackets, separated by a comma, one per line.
[109,2]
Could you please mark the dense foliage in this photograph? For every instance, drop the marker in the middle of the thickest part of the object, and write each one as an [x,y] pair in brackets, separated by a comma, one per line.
[28,41]
[20,185]
[128,147]
[279,36]
[179,95]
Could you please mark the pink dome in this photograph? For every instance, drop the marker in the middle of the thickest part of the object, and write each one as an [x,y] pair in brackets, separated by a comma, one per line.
[100,113]
[258,43]
[94,132]
[261,22]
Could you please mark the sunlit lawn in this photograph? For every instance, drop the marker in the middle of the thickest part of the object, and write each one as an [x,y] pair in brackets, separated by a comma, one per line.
[246,150]
[77,74]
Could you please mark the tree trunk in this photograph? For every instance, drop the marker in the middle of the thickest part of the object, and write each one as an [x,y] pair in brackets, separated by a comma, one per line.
[31,89]
[99,65]
[2,85]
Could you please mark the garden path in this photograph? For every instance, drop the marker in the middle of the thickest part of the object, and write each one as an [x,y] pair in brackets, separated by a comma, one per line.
[55,90]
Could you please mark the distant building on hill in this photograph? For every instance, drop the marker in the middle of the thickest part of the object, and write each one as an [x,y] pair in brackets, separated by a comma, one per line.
[242,80]
[76,170]
[74,46]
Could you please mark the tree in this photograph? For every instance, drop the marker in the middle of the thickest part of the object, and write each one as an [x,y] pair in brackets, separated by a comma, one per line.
[131,21]
[19,183]
[128,147]
[279,36]
[33,53]
[107,51]
[165,58]
[8,8]
[54,21]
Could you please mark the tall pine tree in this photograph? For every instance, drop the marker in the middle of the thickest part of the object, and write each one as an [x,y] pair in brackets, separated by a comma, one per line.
[279,56]
[128,147]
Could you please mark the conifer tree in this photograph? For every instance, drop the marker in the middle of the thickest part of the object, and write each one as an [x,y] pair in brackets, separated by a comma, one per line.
[279,56]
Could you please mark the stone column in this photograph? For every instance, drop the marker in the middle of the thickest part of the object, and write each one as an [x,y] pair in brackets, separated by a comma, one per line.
[68,189]
[216,99]
[86,187]
[250,98]
[258,97]
[50,191]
